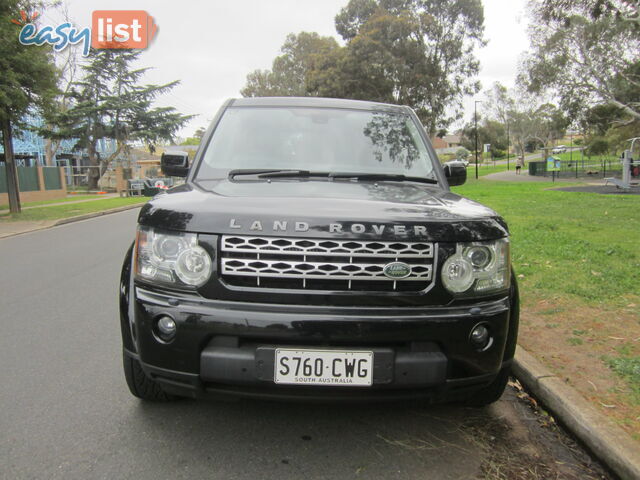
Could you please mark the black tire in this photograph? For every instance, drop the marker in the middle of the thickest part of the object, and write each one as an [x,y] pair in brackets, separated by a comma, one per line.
[140,385]
[492,392]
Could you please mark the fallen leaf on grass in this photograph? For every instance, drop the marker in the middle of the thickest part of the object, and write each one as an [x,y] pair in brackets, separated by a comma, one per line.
[596,274]
[521,276]
[607,406]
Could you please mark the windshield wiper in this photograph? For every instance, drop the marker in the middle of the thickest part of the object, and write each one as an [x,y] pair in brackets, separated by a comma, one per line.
[262,172]
[383,176]
[292,173]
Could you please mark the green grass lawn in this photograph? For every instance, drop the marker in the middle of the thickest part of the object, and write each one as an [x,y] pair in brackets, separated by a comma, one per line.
[564,243]
[488,168]
[71,210]
[57,200]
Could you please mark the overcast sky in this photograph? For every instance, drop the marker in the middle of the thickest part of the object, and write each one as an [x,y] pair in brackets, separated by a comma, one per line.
[211,45]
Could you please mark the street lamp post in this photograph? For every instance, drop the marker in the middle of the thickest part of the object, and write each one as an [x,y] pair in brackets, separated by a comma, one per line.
[508,144]
[571,151]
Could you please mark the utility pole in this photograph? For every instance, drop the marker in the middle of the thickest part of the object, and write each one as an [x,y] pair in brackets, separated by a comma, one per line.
[475,120]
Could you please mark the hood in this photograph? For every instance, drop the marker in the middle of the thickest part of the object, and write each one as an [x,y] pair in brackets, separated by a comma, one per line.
[382,210]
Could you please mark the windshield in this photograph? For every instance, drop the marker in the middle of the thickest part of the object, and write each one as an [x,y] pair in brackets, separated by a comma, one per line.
[334,140]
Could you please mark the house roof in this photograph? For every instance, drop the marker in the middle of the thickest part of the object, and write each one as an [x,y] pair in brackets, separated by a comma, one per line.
[451,138]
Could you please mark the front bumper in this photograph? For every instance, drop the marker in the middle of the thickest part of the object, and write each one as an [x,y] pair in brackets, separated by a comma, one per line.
[226,347]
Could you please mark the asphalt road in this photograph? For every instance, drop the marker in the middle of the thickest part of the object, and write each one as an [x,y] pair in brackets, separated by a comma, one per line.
[65,411]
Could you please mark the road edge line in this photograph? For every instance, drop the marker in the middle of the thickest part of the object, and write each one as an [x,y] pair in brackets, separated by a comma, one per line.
[608,442]
[86,216]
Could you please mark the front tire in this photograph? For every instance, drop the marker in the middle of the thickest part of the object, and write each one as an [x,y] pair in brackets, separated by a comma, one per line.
[492,392]
[140,384]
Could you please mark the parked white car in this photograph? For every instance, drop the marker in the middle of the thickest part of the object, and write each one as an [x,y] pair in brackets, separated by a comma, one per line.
[559,149]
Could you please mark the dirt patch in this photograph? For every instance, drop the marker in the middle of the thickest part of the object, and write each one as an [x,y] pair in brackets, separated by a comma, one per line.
[577,342]
[522,442]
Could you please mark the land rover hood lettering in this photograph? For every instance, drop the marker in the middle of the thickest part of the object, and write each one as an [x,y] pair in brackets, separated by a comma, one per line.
[294,213]
[288,226]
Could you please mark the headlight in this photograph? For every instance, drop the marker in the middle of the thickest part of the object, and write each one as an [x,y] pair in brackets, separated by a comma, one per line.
[478,268]
[172,258]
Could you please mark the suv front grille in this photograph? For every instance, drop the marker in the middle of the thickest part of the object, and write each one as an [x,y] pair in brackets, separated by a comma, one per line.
[304,263]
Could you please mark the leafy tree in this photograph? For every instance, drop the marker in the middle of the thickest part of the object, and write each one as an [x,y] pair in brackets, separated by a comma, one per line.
[499,103]
[288,74]
[597,146]
[199,133]
[384,63]
[618,137]
[462,153]
[68,69]
[67,63]
[496,134]
[407,52]
[550,123]
[628,10]
[109,102]
[602,123]
[586,52]
[533,126]
[489,131]
[196,139]
[28,81]
[531,123]
[599,119]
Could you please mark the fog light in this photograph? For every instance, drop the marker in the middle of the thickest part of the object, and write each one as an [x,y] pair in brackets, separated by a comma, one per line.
[479,336]
[166,327]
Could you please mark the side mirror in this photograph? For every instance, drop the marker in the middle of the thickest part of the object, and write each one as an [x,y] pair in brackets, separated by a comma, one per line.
[455,172]
[175,164]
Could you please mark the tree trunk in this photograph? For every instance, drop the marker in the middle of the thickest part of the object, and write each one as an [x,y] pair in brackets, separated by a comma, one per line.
[94,173]
[50,149]
[13,191]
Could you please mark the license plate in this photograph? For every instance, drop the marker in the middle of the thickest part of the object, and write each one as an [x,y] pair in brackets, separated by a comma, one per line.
[323,367]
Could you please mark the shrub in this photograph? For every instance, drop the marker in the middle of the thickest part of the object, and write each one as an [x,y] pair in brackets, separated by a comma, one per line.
[462,153]
[497,153]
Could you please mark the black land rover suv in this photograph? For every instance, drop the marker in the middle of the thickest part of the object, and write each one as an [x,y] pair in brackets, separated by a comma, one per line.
[316,251]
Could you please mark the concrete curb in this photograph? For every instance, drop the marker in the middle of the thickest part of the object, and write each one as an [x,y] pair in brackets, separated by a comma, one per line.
[607,441]
[77,218]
